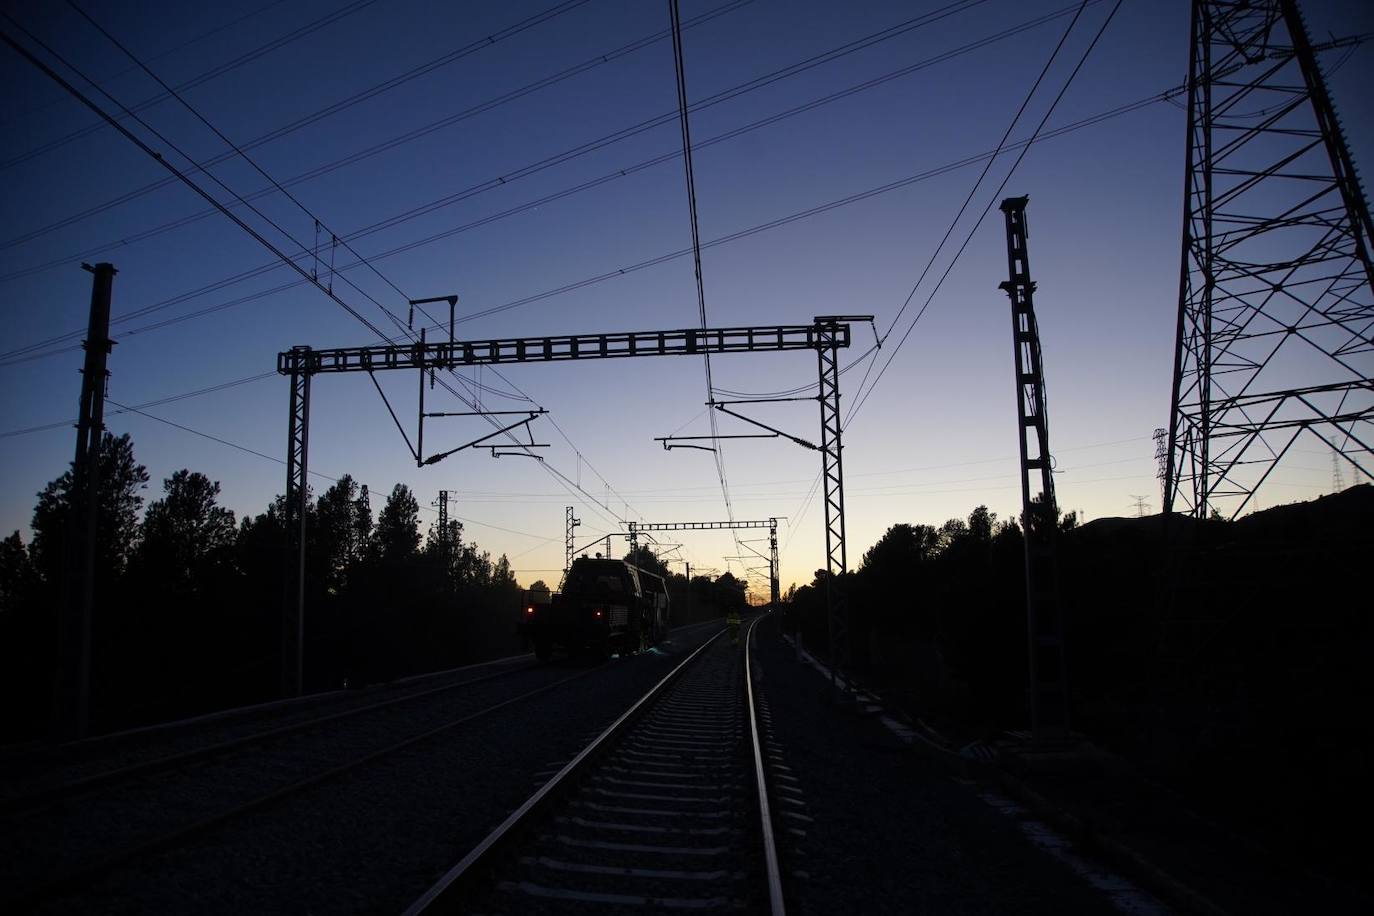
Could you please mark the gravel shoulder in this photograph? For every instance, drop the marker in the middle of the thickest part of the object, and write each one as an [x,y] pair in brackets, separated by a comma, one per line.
[890,831]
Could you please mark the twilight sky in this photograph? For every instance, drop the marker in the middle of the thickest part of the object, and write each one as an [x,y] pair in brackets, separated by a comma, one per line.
[936,437]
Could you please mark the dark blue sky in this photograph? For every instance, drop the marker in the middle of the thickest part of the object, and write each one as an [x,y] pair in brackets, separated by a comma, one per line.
[936,437]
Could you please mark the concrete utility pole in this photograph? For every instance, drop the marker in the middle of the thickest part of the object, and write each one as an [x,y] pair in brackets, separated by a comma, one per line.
[72,709]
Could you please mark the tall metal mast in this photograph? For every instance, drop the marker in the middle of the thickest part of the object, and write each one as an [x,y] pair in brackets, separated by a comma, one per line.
[569,524]
[72,707]
[1039,511]
[1276,290]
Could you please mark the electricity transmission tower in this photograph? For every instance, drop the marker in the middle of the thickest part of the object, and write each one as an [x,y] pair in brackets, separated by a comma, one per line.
[1276,293]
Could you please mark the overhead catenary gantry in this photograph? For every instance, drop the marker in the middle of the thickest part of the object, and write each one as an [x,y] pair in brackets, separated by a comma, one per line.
[771,524]
[826,335]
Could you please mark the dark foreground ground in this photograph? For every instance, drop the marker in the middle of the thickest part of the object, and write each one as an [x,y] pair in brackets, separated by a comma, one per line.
[904,822]
[890,831]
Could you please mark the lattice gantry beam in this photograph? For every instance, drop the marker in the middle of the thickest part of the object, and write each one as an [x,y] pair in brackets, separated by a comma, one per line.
[1275,331]
[447,354]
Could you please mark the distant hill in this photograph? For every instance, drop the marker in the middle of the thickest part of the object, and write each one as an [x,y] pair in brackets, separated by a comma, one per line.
[1348,515]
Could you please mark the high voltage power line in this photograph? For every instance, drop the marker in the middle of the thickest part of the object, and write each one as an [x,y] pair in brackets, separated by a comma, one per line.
[180,46]
[863,396]
[371,92]
[25,353]
[121,408]
[254,233]
[472,47]
[548,162]
[685,123]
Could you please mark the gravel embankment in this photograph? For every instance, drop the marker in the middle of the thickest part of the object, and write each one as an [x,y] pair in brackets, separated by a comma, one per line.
[888,831]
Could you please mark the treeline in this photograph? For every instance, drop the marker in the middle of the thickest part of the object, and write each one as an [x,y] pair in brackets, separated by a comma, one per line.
[1228,660]
[936,614]
[188,611]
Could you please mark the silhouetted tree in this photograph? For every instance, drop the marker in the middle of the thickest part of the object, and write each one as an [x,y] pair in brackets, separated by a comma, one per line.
[646,559]
[186,531]
[117,514]
[343,525]
[501,575]
[398,525]
[18,575]
[730,592]
[900,547]
[981,523]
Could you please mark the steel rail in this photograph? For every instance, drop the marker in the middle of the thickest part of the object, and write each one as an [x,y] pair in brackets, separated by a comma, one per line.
[776,904]
[65,882]
[448,893]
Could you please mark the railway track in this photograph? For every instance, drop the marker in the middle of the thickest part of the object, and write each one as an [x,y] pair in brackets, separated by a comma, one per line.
[55,845]
[84,776]
[667,809]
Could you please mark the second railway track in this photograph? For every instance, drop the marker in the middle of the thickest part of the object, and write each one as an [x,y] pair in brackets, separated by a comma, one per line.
[59,845]
[666,810]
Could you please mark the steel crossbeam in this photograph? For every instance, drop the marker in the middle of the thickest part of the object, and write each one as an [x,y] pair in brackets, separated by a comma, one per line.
[450,354]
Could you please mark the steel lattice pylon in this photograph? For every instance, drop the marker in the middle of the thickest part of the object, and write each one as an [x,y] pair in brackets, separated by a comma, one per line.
[569,524]
[1049,693]
[1276,294]
[294,515]
[832,472]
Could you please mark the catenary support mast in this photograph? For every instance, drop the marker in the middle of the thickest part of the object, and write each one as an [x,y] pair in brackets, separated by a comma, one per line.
[569,524]
[1039,511]
[72,707]
[294,516]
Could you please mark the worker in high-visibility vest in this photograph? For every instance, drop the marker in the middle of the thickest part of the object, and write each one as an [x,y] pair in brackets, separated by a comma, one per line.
[732,623]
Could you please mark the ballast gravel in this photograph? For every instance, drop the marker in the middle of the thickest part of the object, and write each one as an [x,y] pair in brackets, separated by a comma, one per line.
[374,839]
[886,831]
